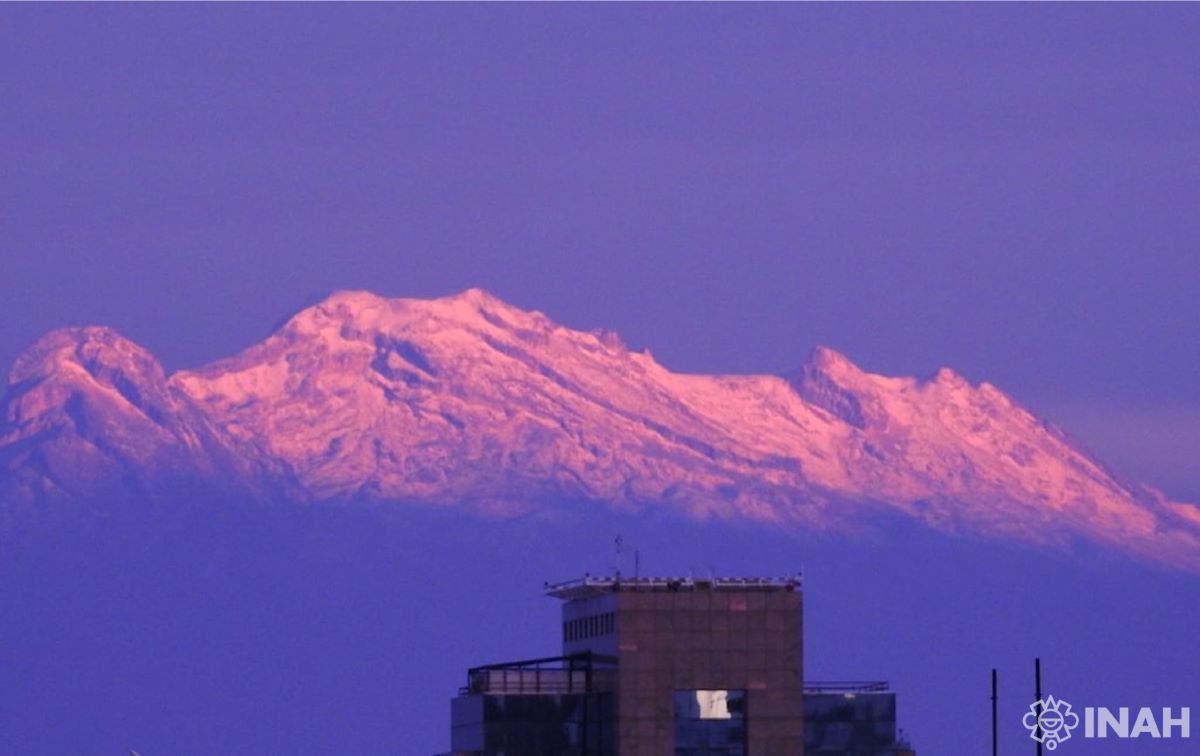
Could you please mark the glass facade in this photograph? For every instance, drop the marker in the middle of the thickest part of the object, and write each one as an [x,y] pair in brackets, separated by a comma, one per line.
[850,723]
[534,725]
[710,723]
[539,707]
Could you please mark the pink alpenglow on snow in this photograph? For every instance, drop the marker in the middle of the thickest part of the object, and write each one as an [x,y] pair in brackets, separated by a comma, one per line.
[469,401]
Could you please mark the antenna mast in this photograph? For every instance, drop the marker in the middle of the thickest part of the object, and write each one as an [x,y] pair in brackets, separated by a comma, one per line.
[619,543]
[621,548]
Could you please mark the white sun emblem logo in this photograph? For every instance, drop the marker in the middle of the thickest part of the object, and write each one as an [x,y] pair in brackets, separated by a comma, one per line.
[1055,720]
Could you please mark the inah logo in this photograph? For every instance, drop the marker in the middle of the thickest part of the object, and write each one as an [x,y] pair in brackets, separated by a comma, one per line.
[1050,721]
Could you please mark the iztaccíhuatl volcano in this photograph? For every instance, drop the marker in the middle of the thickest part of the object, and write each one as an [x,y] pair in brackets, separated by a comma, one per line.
[469,401]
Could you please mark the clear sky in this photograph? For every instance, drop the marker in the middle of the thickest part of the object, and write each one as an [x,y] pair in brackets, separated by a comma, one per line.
[1011,190]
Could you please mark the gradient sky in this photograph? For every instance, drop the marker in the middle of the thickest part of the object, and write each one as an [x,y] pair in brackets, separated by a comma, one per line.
[1011,190]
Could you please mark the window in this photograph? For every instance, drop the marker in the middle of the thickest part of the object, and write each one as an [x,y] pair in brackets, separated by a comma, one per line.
[588,627]
[710,723]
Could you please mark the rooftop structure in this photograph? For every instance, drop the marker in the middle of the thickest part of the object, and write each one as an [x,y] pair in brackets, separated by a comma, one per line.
[844,688]
[579,673]
[593,585]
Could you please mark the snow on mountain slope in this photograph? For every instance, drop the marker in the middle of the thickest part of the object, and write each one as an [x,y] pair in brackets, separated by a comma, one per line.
[467,399]
[89,412]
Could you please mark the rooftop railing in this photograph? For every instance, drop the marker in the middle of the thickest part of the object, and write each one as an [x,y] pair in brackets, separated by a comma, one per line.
[842,686]
[579,673]
[594,584]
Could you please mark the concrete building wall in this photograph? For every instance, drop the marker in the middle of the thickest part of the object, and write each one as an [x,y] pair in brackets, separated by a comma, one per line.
[701,639]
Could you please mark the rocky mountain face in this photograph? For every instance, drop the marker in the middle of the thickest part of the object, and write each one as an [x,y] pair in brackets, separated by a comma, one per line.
[467,400]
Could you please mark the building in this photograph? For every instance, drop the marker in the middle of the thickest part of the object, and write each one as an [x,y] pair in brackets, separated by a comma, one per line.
[851,719]
[653,666]
[557,705]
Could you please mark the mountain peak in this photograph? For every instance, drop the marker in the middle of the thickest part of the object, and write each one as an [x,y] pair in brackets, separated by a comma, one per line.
[95,350]
[476,296]
[88,412]
[340,307]
[349,311]
[948,377]
[352,299]
[829,380]
[363,299]
[831,363]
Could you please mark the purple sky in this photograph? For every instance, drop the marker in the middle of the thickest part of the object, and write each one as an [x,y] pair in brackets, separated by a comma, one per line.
[1012,190]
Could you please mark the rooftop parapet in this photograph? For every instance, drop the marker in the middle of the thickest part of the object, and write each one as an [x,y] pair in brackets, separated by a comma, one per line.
[845,688]
[594,585]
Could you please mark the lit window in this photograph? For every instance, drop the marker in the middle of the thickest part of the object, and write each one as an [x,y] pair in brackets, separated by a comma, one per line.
[710,722]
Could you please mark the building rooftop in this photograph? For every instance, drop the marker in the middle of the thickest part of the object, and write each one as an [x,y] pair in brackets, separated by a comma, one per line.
[845,688]
[584,672]
[594,585]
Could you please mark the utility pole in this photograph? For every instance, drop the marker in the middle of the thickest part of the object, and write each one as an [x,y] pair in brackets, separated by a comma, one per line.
[1037,691]
[995,740]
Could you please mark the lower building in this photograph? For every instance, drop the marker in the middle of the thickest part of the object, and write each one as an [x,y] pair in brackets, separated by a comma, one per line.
[561,705]
[682,666]
[851,719]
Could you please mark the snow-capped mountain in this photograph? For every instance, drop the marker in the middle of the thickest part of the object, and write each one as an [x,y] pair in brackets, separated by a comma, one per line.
[468,400]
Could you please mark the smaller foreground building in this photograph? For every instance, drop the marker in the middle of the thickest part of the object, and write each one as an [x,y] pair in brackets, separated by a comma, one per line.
[851,719]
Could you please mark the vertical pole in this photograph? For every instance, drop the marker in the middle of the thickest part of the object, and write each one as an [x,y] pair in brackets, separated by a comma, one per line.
[587,697]
[995,739]
[1037,691]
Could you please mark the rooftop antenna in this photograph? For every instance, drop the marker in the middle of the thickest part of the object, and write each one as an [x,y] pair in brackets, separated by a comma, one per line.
[620,544]
[621,548]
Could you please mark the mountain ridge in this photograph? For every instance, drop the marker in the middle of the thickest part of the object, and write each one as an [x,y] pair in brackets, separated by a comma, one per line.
[468,399]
